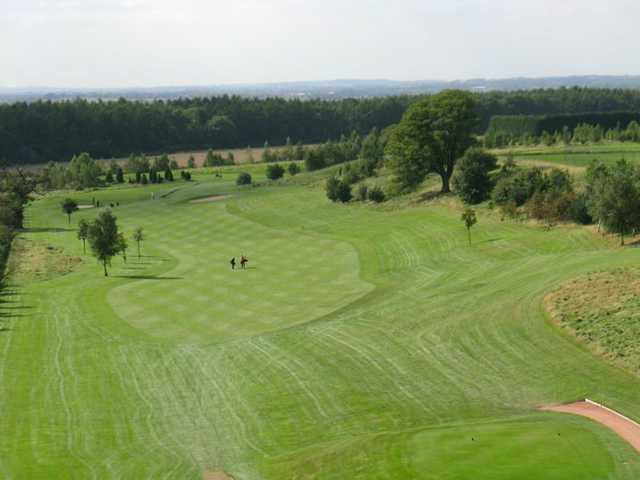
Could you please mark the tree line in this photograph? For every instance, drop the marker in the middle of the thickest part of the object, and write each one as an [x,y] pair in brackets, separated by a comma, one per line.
[45,131]
[54,131]
[562,129]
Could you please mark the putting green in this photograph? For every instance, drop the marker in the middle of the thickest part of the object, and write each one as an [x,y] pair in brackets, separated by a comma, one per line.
[365,342]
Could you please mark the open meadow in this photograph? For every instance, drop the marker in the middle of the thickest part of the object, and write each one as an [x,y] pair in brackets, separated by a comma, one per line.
[363,341]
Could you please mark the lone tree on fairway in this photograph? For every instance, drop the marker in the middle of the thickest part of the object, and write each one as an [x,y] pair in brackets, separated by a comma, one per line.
[122,246]
[470,219]
[104,238]
[432,135]
[138,237]
[69,206]
[83,233]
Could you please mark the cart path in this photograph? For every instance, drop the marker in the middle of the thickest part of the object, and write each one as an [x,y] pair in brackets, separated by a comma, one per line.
[623,426]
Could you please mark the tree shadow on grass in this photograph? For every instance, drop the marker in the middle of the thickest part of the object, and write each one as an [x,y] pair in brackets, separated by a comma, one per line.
[490,240]
[9,308]
[46,230]
[146,277]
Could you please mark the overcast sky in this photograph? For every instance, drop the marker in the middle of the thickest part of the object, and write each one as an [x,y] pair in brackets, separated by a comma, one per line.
[122,43]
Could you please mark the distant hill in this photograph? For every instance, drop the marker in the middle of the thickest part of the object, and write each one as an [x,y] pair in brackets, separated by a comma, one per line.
[332,89]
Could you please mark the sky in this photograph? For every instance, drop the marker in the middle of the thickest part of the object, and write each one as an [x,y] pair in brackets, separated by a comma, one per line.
[127,43]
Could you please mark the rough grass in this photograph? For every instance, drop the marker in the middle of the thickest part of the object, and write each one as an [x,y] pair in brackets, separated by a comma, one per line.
[33,261]
[370,341]
[603,310]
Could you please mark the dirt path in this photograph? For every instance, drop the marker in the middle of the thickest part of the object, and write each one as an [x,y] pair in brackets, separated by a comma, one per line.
[623,426]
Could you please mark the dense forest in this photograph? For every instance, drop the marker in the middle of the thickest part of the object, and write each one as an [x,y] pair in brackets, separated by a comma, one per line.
[507,130]
[54,131]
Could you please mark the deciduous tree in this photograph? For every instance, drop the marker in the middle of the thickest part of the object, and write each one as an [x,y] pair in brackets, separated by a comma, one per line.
[104,239]
[470,219]
[138,237]
[83,233]
[69,205]
[432,135]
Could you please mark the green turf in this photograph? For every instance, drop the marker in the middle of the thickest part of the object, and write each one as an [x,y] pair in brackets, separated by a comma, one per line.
[366,342]
[577,155]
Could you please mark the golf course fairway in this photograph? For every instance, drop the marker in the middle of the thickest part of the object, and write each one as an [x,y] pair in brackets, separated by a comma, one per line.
[362,342]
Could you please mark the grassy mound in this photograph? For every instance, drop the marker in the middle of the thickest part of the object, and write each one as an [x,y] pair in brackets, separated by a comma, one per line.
[603,310]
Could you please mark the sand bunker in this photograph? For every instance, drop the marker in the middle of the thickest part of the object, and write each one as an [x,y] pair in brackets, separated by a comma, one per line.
[623,426]
[216,476]
[213,198]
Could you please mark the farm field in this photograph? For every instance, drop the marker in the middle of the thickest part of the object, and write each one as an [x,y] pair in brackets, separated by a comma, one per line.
[242,155]
[362,342]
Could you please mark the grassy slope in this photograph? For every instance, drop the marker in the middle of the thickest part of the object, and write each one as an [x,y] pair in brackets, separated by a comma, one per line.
[422,357]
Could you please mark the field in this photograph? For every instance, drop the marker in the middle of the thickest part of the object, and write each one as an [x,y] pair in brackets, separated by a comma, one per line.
[241,155]
[574,156]
[362,342]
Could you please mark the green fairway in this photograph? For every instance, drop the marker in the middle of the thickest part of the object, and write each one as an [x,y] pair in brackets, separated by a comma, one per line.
[363,342]
[577,155]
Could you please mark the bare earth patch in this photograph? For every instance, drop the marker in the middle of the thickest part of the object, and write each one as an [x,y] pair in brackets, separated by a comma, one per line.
[210,475]
[626,428]
[31,262]
[213,198]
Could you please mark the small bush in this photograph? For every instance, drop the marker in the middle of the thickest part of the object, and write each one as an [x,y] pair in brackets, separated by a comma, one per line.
[376,194]
[331,188]
[293,169]
[516,189]
[344,192]
[338,191]
[275,171]
[243,179]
